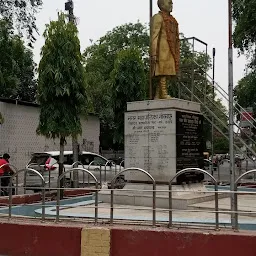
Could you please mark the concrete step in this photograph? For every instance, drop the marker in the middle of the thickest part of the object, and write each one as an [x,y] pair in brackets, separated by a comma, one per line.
[138,197]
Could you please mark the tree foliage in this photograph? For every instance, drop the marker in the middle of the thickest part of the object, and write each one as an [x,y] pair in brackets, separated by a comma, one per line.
[245,96]
[245,27]
[21,13]
[245,91]
[99,61]
[17,67]
[61,84]
[128,84]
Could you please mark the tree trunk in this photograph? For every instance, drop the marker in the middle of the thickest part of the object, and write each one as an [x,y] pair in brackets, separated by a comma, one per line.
[75,159]
[61,165]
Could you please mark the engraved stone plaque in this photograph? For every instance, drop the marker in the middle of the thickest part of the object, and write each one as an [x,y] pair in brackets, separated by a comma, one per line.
[150,143]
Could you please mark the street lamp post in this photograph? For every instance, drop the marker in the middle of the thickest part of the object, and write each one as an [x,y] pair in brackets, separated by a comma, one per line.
[213,97]
[69,6]
[231,114]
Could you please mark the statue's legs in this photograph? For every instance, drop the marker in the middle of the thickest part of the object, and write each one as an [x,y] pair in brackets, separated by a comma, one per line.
[163,88]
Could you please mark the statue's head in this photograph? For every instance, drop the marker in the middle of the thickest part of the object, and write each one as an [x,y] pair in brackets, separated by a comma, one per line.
[165,5]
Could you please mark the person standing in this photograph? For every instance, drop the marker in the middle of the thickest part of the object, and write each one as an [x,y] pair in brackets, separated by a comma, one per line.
[5,173]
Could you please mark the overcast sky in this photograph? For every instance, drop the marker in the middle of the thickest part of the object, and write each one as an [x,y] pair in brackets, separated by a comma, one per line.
[204,19]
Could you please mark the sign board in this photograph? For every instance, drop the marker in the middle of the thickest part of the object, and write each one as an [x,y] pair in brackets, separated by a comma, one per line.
[189,141]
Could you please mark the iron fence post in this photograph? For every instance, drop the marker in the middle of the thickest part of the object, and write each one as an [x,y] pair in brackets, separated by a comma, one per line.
[236,207]
[58,201]
[10,199]
[170,205]
[112,204]
[100,176]
[105,174]
[216,206]
[25,183]
[43,202]
[96,204]
[17,185]
[154,203]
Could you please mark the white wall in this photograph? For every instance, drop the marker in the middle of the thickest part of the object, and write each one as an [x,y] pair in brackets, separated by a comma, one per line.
[18,134]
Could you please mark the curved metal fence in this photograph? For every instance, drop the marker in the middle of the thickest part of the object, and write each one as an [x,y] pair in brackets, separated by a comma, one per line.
[112,192]
[59,189]
[43,189]
[152,206]
[236,195]
[188,170]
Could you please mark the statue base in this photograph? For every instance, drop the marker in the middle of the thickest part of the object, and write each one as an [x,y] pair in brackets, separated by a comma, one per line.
[163,137]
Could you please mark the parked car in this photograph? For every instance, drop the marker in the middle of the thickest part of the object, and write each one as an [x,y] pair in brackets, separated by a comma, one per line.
[47,163]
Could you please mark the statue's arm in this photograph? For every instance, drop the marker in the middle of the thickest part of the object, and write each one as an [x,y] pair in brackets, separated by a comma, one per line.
[155,33]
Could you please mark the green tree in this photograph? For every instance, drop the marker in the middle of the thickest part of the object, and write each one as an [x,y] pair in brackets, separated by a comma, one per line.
[22,13]
[245,91]
[245,96]
[245,41]
[61,84]
[99,61]
[16,66]
[245,27]
[26,90]
[128,84]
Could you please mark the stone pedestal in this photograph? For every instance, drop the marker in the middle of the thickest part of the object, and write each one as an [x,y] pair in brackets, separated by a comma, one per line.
[163,137]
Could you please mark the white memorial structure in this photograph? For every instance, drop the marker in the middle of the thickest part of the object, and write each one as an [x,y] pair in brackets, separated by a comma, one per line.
[163,137]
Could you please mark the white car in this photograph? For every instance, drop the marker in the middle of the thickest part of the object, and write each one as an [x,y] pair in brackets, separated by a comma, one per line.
[47,164]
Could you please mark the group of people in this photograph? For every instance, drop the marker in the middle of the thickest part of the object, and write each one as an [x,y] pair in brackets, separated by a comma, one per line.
[5,173]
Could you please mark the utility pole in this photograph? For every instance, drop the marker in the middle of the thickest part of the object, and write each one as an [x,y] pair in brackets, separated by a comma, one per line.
[231,114]
[69,6]
[213,98]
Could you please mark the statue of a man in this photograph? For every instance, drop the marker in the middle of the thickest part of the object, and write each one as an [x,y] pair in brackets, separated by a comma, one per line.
[165,47]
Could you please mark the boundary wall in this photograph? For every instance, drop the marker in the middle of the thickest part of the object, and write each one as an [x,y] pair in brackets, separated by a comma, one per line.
[73,239]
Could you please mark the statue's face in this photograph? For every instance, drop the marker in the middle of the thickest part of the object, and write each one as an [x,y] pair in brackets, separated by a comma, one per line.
[167,5]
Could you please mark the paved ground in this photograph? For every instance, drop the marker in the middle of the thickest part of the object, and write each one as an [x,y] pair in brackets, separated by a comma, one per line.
[198,212]
[246,205]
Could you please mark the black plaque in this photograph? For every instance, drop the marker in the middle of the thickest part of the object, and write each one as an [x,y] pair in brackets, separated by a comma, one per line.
[189,143]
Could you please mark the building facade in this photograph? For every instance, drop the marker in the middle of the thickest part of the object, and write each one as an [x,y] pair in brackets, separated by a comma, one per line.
[18,135]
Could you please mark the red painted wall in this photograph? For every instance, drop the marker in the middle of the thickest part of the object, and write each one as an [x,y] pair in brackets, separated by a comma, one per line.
[39,240]
[178,243]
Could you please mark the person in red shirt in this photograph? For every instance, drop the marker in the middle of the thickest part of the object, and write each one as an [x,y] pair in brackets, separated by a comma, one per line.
[4,161]
[5,172]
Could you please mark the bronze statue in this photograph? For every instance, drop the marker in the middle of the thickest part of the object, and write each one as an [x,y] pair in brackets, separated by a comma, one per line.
[165,47]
